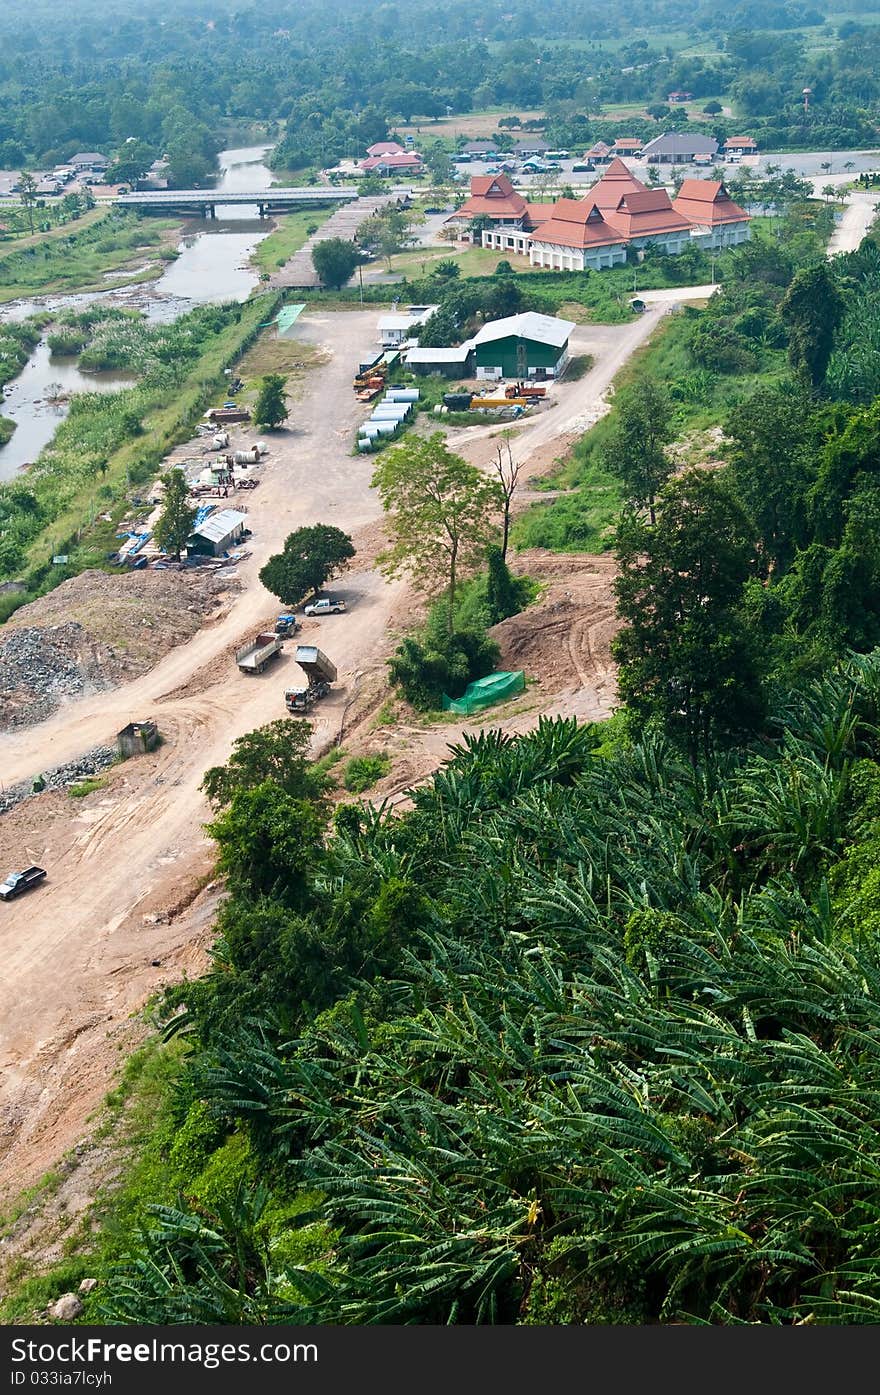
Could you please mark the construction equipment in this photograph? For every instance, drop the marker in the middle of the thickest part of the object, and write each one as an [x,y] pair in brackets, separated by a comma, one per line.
[525,390]
[254,657]
[319,670]
[286,624]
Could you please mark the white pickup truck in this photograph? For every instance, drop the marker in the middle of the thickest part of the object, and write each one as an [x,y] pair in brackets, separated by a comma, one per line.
[326,605]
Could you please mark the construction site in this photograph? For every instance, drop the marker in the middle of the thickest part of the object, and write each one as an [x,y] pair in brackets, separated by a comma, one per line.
[156,644]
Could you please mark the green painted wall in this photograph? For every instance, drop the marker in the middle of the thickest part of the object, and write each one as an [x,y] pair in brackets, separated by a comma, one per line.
[503,353]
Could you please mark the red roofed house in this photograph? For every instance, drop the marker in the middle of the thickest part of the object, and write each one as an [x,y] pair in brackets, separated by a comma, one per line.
[594,232]
[740,145]
[716,221]
[576,238]
[492,196]
[598,153]
[397,162]
[641,217]
[385,147]
[626,145]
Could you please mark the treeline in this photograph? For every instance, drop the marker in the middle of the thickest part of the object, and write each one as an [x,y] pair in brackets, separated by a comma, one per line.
[166,79]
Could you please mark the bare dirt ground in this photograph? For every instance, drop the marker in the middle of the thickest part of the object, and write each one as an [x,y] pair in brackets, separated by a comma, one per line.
[475,125]
[124,909]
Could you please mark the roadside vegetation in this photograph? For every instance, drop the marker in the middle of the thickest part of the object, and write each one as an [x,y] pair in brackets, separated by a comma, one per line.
[710,361]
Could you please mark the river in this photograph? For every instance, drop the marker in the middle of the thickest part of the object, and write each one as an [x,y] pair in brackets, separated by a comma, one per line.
[212,265]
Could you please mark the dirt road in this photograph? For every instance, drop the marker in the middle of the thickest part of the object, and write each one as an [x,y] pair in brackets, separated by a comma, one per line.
[86,950]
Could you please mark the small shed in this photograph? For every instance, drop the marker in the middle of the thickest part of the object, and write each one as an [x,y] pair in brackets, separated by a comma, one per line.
[216,533]
[523,346]
[137,738]
[445,363]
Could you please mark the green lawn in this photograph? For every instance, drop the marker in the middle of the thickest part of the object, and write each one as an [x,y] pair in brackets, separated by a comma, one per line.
[291,233]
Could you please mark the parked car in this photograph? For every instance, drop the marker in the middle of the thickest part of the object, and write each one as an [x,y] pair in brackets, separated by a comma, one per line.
[325,605]
[17,882]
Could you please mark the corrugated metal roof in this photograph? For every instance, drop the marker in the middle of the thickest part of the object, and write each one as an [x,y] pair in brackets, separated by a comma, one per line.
[220,525]
[544,329]
[439,355]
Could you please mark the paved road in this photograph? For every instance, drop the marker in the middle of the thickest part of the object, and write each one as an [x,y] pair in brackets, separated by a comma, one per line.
[859,214]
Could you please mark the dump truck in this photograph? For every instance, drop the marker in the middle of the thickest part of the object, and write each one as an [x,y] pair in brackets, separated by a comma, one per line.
[254,657]
[320,672]
[17,882]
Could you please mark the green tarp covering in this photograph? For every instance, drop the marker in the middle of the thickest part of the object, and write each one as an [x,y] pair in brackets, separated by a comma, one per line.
[287,317]
[495,687]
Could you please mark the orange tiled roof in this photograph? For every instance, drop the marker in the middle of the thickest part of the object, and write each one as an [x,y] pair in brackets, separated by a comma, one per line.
[646,213]
[577,223]
[706,203]
[615,182]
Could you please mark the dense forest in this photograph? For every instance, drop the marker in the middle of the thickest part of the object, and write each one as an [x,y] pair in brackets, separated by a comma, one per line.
[170,77]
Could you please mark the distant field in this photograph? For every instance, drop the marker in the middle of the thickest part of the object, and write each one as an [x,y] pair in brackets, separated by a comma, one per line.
[475,123]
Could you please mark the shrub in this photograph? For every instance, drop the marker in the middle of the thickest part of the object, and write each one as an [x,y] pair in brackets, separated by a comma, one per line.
[362,772]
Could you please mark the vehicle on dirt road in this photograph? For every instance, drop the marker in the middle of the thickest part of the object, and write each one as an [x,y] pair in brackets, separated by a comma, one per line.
[286,625]
[254,657]
[319,670]
[17,882]
[325,605]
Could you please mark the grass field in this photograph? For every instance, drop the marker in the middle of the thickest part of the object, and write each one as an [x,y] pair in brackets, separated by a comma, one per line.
[291,233]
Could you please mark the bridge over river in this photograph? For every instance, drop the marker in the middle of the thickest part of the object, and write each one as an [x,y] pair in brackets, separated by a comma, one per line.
[205,202]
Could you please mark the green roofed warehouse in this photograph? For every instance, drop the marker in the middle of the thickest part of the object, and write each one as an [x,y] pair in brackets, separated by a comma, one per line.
[522,346]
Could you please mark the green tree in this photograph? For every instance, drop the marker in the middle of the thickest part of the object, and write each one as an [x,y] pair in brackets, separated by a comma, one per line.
[131,162]
[635,450]
[687,656]
[27,191]
[440,513]
[438,163]
[334,259]
[811,309]
[773,466]
[388,231]
[271,408]
[310,557]
[278,753]
[177,519]
[269,842]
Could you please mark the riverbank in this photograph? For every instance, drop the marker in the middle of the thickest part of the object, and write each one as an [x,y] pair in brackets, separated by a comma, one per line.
[292,231]
[71,502]
[105,253]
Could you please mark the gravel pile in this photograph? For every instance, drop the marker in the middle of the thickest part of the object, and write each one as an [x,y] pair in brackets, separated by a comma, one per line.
[97,630]
[39,667]
[92,763]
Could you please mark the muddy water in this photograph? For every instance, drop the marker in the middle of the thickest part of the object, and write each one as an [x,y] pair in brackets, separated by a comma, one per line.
[36,401]
[212,265]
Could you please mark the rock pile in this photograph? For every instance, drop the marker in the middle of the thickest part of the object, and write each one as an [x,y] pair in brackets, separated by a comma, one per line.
[92,763]
[40,667]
